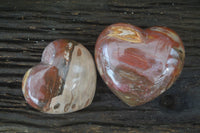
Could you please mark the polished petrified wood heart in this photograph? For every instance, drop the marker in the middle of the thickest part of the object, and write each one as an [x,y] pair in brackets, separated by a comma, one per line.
[138,65]
[64,81]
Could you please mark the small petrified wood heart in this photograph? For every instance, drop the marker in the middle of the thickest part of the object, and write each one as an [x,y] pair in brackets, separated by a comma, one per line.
[64,81]
[138,65]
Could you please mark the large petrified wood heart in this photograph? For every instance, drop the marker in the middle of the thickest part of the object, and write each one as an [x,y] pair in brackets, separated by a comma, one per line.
[64,81]
[138,65]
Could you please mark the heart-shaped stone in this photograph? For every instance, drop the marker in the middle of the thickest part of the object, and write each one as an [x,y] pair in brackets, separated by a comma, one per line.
[138,65]
[64,81]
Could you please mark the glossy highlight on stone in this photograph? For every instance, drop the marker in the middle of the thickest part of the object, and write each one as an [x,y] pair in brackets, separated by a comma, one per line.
[138,65]
[64,81]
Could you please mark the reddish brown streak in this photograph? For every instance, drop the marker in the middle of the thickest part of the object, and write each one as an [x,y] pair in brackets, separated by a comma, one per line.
[131,58]
[79,52]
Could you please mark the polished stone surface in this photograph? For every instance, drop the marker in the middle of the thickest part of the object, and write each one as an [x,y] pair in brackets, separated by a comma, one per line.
[64,81]
[138,65]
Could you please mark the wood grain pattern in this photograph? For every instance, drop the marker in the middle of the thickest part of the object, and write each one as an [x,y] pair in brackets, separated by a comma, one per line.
[26,27]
